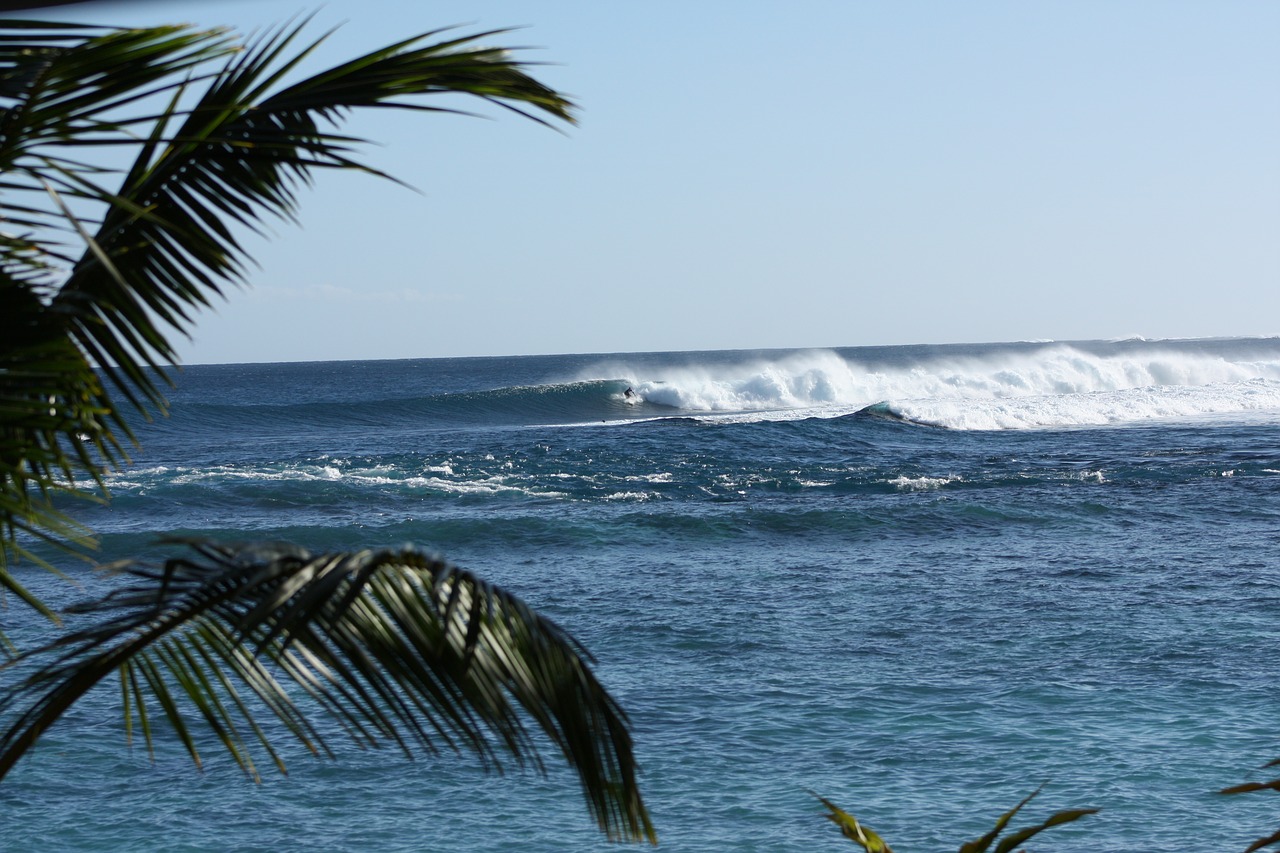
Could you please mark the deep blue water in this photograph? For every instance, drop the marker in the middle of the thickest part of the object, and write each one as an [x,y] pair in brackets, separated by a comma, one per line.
[920,581]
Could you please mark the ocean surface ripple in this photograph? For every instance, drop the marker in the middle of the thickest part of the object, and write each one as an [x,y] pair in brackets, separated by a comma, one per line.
[920,581]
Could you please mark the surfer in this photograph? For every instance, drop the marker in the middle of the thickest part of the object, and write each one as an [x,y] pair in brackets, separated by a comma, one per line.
[628,393]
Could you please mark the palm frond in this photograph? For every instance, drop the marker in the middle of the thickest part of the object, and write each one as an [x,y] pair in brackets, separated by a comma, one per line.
[1010,842]
[1250,787]
[53,441]
[62,85]
[112,272]
[1266,841]
[63,92]
[979,845]
[871,842]
[851,828]
[396,646]
[237,156]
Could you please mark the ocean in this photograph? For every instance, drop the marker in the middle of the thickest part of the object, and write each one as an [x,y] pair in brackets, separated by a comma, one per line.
[921,581]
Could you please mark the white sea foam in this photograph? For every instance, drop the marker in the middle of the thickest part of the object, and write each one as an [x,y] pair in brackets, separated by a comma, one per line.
[1096,408]
[1055,385]
[802,380]
[663,477]
[920,484]
[376,476]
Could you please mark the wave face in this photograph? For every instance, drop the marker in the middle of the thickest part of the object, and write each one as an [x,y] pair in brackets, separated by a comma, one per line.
[1001,387]
[331,441]
[964,387]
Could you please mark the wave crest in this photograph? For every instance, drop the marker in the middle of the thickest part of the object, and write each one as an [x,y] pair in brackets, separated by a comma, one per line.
[1011,388]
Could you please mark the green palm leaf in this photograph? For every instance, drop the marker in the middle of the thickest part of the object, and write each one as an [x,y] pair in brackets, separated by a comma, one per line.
[103,265]
[979,845]
[236,155]
[60,86]
[871,842]
[852,829]
[1009,842]
[399,648]
[50,432]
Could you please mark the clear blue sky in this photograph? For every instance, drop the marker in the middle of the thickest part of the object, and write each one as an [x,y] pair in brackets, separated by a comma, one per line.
[788,174]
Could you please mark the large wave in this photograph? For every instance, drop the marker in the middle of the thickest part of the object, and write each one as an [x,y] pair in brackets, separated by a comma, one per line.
[1006,388]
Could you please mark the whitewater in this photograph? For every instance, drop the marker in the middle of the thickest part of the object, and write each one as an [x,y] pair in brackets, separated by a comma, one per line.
[1051,385]
[921,581]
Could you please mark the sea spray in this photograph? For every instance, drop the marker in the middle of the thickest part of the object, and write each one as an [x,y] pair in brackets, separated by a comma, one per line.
[1031,386]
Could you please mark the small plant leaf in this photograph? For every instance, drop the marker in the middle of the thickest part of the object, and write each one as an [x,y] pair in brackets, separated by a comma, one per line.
[1264,842]
[1008,843]
[1247,787]
[850,828]
[981,844]
[1250,787]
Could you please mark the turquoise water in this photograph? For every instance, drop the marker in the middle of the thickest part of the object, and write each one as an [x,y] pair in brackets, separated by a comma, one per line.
[920,581]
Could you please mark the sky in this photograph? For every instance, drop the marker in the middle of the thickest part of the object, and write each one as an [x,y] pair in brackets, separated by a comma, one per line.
[756,173]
